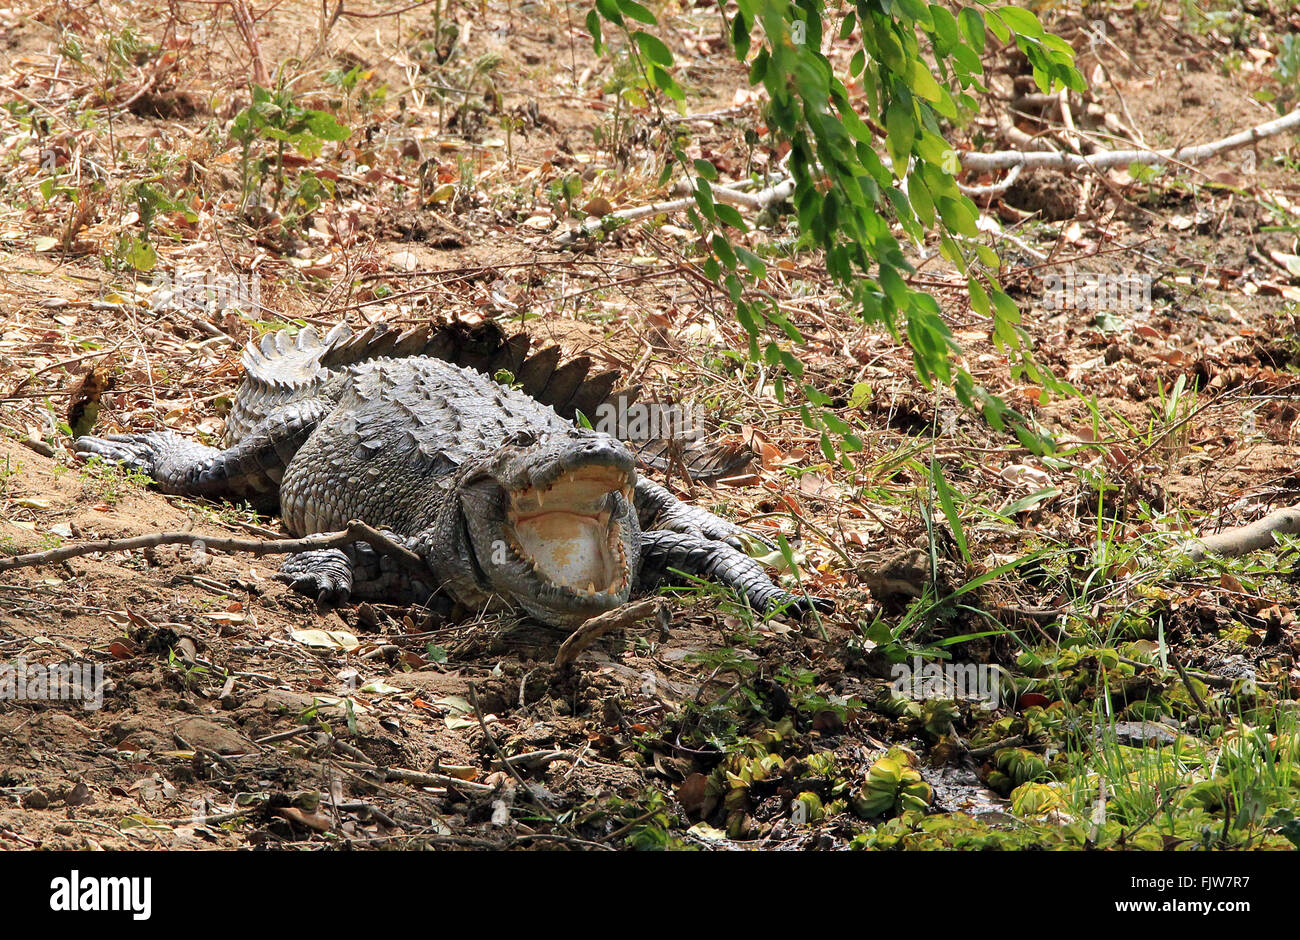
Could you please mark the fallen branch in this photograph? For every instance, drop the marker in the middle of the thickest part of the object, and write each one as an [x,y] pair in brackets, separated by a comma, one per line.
[598,626]
[355,532]
[993,189]
[1240,540]
[418,778]
[1036,159]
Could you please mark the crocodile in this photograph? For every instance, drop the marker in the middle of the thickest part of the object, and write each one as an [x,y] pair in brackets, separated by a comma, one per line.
[507,499]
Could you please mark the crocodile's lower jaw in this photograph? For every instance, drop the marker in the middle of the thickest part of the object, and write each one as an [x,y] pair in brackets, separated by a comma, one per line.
[578,553]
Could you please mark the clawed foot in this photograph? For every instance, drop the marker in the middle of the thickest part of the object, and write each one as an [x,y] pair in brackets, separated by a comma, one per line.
[133,451]
[325,575]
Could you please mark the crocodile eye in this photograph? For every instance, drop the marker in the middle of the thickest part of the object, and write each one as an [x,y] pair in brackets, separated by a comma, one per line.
[525,438]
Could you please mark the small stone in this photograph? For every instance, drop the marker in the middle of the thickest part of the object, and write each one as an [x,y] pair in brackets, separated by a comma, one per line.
[201,733]
[404,261]
[37,799]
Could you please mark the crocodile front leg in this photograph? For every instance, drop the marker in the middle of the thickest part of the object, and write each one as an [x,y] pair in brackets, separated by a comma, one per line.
[336,575]
[664,552]
[250,470]
[657,508]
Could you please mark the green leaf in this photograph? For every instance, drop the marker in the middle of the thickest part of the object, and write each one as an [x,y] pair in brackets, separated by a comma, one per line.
[752,262]
[945,25]
[609,10]
[971,23]
[922,82]
[998,28]
[728,215]
[1022,21]
[740,36]
[593,27]
[706,170]
[704,199]
[957,216]
[1029,502]
[665,83]
[1005,307]
[722,248]
[653,49]
[900,124]
[633,10]
[139,254]
[323,125]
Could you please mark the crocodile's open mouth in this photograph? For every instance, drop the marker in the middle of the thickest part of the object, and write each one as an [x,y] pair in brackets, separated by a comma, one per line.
[570,531]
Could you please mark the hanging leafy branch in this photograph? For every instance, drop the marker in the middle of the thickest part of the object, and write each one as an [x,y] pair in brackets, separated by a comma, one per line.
[854,173]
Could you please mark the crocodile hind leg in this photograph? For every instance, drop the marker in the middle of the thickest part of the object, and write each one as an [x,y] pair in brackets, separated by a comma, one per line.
[336,575]
[250,470]
[664,552]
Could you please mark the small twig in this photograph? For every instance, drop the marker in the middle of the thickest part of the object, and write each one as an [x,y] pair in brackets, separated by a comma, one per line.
[598,626]
[533,760]
[980,753]
[524,786]
[374,16]
[284,735]
[245,23]
[199,820]
[1191,689]
[418,778]
[993,189]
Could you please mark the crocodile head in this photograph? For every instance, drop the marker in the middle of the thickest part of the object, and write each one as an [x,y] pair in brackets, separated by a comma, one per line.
[552,524]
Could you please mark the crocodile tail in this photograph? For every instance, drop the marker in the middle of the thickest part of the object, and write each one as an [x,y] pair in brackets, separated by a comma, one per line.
[278,367]
[485,347]
[285,361]
[701,460]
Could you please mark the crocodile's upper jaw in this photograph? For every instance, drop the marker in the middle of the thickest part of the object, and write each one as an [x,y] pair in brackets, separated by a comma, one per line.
[560,538]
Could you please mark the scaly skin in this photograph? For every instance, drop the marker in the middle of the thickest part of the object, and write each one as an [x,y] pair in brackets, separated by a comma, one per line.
[507,502]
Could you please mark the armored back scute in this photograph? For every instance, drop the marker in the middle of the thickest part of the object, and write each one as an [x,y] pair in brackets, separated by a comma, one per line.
[284,366]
